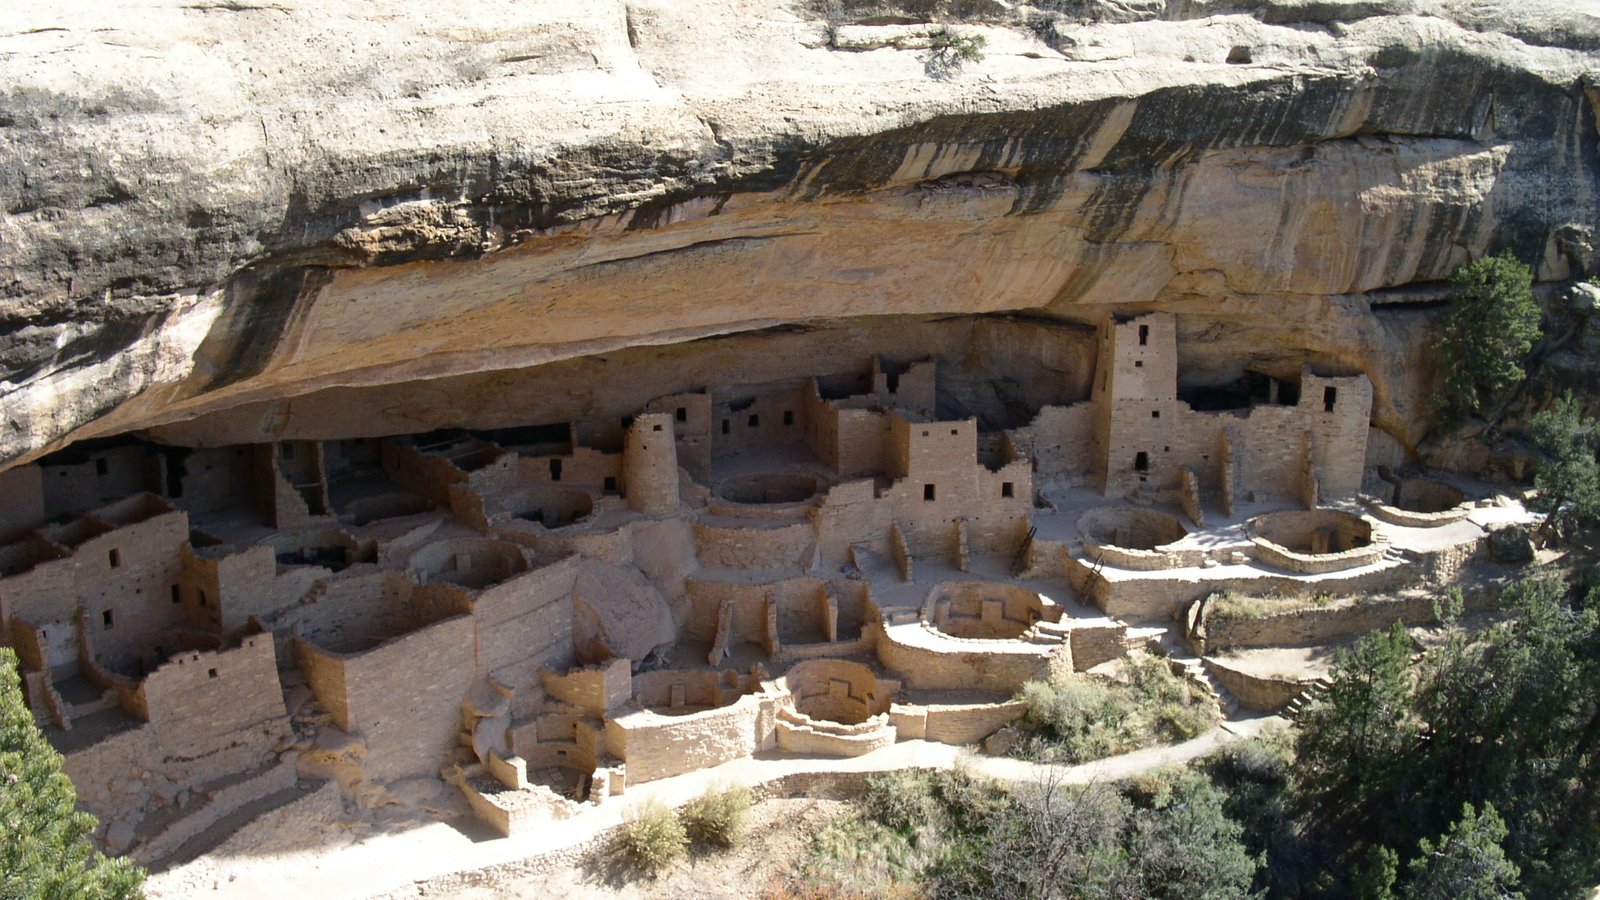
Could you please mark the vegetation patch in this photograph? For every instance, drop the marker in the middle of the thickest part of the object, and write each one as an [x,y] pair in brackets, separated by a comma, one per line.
[951,834]
[651,838]
[716,818]
[1081,718]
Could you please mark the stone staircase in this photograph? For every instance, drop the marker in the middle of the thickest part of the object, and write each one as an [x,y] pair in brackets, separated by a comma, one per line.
[1300,701]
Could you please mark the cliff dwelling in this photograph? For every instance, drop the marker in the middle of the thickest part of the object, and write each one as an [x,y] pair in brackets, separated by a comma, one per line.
[432,435]
[547,612]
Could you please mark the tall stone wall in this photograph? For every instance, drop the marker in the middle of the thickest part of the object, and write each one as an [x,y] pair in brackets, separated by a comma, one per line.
[199,702]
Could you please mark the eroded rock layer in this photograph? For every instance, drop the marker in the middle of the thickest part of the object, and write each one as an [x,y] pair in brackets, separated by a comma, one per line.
[230,223]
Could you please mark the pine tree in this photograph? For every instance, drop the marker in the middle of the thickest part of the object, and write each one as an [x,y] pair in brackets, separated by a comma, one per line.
[46,852]
[1487,339]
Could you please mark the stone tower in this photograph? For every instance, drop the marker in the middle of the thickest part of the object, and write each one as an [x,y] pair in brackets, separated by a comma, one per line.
[650,465]
[1136,400]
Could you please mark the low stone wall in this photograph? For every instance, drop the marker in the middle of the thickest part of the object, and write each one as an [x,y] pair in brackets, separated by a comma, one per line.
[968,723]
[954,666]
[1268,693]
[753,546]
[224,802]
[1300,625]
[660,746]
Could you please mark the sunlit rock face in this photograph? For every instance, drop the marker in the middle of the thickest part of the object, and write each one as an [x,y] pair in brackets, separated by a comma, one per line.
[231,222]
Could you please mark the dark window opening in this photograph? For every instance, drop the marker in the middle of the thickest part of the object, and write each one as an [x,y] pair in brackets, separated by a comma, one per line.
[725,426]
[1155,413]
[954,432]
[927,492]
[115,557]
[1141,461]
[682,414]
[611,483]
[555,470]
[893,382]
[1007,489]
[211,672]
[202,598]
[627,422]
[1138,364]
[1330,396]
[105,617]
[754,420]
[177,595]
[924,434]
[788,417]
[1144,335]
[286,451]
[655,427]
[100,467]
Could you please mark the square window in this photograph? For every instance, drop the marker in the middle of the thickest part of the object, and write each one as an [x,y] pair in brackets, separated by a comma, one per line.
[754,420]
[924,434]
[954,432]
[655,427]
[1155,413]
[211,672]
[115,558]
[1007,489]
[682,414]
[611,483]
[788,417]
[1141,461]
[927,492]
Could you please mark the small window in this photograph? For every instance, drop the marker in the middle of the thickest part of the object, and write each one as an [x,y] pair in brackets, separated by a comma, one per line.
[655,427]
[611,483]
[1144,335]
[788,417]
[115,558]
[924,434]
[682,414]
[726,426]
[954,432]
[1141,461]
[1330,396]
[927,492]
[177,595]
[211,672]
[106,618]
[100,467]
[1138,364]
[286,450]
[202,598]
[627,422]
[892,382]
[1155,413]
[754,421]
[555,470]
[1007,489]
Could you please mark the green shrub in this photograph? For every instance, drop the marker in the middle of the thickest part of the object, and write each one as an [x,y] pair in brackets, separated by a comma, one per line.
[1487,339]
[716,817]
[652,838]
[1082,719]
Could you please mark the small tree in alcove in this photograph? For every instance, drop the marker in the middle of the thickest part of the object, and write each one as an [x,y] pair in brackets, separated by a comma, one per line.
[1487,339]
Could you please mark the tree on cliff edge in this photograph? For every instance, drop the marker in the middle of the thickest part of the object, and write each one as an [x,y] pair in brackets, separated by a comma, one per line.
[1488,337]
[45,851]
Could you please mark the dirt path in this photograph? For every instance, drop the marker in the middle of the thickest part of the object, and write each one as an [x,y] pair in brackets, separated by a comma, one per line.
[333,857]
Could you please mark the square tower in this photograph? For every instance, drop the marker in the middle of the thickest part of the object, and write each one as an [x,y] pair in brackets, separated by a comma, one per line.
[1136,401]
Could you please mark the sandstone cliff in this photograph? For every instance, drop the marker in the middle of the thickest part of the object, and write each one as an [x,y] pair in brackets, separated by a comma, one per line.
[240,220]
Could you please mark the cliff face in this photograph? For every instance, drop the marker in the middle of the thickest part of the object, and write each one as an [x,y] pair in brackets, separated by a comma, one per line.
[228,221]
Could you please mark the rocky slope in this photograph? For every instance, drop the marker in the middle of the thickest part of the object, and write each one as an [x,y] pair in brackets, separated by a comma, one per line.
[236,220]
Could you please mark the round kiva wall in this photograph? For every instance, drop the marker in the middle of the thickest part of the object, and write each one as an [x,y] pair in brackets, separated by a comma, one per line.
[985,610]
[766,489]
